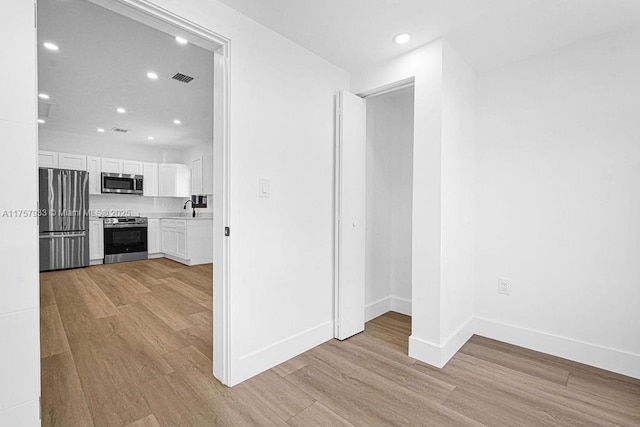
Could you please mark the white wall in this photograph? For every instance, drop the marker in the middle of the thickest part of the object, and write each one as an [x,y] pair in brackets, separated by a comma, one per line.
[458,202]
[389,202]
[105,146]
[282,128]
[19,293]
[558,208]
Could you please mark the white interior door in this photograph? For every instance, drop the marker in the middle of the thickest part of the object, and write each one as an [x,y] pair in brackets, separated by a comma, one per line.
[351,128]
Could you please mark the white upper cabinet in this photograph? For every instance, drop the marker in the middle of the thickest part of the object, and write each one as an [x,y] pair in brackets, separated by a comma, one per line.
[165,180]
[111,165]
[174,180]
[72,161]
[150,173]
[196,175]
[130,167]
[202,175]
[94,168]
[207,175]
[47,159]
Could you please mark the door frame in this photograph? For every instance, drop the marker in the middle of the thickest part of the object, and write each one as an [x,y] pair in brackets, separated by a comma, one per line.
[164,20]
[370,93]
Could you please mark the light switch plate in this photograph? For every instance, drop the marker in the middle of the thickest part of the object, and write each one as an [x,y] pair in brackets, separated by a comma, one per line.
[263,188]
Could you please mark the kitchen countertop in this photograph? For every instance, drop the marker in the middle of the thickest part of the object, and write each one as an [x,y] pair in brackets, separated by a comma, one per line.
[189,218]
[166,216]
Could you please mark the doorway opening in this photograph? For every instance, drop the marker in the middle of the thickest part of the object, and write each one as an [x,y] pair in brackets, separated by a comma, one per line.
[125,112]
[389,194]
[373,205]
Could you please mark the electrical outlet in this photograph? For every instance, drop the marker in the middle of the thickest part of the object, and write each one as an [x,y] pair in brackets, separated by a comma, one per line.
[504,286]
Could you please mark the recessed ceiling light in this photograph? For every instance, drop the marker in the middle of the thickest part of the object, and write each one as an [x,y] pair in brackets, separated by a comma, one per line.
[177,122]
[121,110]
[43,96]
[50,46]
[100,130]
[402,38]
[152,75]
[181,40]
[41,121]
[150,138]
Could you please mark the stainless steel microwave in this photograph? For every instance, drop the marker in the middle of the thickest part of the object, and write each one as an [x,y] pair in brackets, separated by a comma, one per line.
[121,183]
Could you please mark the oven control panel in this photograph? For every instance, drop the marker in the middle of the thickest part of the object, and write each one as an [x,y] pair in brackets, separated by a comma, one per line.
[130,221]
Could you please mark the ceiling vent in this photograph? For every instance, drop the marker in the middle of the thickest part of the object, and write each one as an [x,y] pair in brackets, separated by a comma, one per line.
[182,78]
[114,129]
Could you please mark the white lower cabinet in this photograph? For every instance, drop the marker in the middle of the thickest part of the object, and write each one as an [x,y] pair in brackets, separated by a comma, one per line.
[169,243]
[96,241]
[154,236]
[188,241]
[181,239]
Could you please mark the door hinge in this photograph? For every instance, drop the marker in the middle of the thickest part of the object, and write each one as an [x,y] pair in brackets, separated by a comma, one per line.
[35,14]
[227,231]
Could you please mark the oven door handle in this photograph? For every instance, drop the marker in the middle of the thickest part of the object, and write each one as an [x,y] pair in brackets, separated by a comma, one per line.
[63,235]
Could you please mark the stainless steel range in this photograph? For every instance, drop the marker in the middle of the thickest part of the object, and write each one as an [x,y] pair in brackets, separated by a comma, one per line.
[125,239]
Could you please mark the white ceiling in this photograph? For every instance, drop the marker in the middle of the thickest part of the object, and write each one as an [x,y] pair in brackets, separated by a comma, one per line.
[102,64]
[487,33]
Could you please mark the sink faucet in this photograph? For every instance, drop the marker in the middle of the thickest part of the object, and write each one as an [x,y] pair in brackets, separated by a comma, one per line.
[194,209]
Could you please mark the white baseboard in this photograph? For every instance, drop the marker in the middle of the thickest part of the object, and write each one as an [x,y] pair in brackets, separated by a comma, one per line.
[378,308]
[578,351]
[439,354]
[270,356]
[384,305]
[177,259]
[401,305]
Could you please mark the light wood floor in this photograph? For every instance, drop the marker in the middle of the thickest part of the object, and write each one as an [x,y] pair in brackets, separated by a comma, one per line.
[131,344]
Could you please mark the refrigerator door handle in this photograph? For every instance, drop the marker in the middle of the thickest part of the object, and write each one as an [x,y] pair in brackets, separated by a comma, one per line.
[76,234]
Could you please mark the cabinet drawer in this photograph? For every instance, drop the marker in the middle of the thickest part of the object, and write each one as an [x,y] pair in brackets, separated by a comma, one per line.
[181,223]
[168,223]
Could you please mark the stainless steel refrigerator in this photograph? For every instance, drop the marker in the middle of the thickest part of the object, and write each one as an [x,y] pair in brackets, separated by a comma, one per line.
[64,221]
